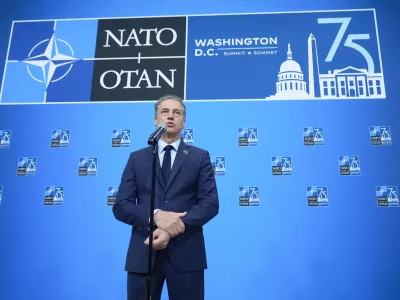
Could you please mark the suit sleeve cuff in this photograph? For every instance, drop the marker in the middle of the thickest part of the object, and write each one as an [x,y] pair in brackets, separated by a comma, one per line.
[156,210]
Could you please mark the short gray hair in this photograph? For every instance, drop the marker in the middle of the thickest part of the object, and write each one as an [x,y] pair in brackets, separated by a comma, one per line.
[170,97]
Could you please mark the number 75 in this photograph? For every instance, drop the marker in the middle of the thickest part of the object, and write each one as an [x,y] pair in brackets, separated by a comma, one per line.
[349,42]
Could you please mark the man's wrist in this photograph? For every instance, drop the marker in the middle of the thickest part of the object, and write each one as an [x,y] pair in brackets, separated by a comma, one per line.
[154,213]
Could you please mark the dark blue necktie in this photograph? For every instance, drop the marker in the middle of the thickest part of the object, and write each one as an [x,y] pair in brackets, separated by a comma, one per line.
[166,167]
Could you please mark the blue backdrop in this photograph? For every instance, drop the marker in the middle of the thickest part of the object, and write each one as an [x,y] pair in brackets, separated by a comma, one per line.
[282,247]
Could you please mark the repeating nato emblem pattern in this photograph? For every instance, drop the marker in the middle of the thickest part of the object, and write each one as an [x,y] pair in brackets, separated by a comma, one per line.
[386,196]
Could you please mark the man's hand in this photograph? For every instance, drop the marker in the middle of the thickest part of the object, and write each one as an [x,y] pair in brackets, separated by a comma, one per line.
[170,222]
[160,239]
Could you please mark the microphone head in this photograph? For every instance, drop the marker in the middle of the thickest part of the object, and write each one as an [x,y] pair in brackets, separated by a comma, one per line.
[157,133]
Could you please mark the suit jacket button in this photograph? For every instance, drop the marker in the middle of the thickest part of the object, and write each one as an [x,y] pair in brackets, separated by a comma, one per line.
[165,201]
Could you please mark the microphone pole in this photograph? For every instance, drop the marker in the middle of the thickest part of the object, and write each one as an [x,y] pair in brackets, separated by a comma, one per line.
[153,140]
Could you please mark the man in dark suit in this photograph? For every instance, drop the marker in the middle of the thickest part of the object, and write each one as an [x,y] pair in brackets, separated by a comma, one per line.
[186,199]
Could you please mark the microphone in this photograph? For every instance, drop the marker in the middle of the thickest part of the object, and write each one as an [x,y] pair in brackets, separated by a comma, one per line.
[154,137]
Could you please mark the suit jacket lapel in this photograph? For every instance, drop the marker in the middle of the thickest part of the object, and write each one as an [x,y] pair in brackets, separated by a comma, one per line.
[179,159]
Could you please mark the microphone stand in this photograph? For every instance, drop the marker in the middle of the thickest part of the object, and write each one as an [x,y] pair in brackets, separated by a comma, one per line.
[152,199]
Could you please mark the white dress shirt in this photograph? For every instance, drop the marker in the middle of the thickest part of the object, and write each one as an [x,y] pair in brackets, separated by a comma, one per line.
[161,146]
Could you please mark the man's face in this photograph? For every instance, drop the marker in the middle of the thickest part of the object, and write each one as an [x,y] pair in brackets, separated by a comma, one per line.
[170,112]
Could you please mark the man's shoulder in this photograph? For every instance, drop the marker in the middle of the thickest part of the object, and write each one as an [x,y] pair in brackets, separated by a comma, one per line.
[141,152]
[195,150]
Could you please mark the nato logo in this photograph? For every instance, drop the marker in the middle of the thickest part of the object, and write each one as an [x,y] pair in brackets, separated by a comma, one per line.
[5,138]
[87,166]
[187,136]
[53,195]
[317,195]
[44,58]
[218,165]
[380,135]
[121,138]
[281,165]
[84,60]
[387,196]
[349,165]
[26,166]
[112,195]
[313,136]
[1,193]
[60,139]
[249,196]
[248,137]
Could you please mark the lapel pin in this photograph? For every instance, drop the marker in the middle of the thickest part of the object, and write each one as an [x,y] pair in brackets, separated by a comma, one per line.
[185,152]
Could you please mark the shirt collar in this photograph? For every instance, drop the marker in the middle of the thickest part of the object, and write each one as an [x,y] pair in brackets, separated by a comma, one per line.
[162,144]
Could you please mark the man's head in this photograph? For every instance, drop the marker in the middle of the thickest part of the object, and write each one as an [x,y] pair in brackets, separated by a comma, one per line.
[171,111]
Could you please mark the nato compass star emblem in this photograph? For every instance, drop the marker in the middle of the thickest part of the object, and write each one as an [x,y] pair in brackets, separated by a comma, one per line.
[50,60]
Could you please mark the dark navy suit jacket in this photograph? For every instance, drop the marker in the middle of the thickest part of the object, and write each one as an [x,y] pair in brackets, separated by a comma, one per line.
[191,187]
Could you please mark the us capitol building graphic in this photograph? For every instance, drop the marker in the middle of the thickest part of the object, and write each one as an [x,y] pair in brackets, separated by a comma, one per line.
[344,83]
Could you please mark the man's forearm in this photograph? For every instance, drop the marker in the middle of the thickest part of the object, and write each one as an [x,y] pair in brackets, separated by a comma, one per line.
[131,213]
[199,215]
[125,208]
